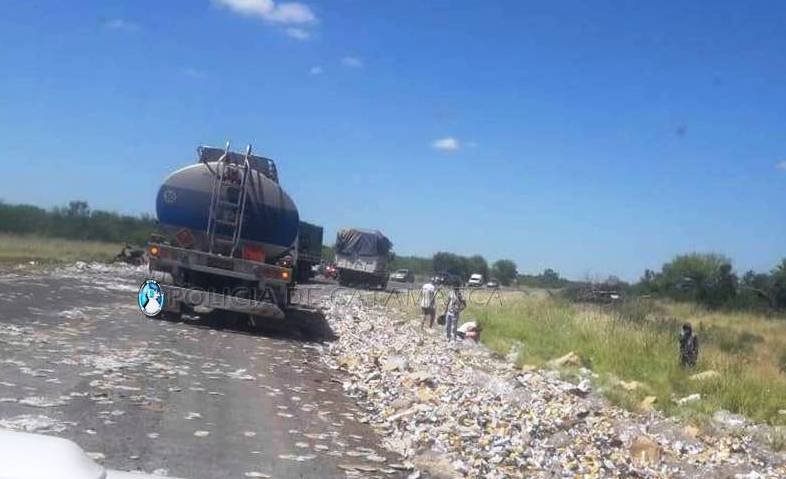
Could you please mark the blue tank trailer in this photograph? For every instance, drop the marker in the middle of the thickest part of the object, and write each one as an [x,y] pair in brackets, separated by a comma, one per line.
[228,236]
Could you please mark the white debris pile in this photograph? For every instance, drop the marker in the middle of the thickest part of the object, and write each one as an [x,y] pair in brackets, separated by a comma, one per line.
[480,417]
[33,423]
[105,277]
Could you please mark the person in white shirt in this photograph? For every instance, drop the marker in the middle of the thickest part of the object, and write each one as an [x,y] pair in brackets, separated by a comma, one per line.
[428,297]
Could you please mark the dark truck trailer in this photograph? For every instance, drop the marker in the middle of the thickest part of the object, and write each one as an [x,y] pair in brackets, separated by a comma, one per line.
[309,250]
[362,257]
[227,236]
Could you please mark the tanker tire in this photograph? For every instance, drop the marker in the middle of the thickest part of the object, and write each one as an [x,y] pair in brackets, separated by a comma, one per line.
[171,317]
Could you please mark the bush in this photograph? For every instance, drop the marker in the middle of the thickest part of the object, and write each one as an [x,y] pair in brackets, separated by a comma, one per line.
[504,271]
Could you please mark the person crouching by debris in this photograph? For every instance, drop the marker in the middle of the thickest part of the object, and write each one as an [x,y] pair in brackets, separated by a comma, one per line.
[428,297]
[455,305]
[689,346]
[469,330]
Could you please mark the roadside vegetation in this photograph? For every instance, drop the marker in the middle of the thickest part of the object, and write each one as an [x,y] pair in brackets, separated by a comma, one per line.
[76,221]
[67,234]
[23,248]
[633,348]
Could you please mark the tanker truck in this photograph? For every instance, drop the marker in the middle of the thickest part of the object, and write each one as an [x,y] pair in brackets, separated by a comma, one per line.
[226,237]
[362,257]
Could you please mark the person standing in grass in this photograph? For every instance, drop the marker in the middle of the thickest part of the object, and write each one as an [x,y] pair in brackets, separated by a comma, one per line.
[455,305]
[689,347]
[428,298]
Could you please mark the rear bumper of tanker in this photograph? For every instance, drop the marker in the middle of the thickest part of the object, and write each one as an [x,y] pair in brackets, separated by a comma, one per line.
[177,296]
[266,299]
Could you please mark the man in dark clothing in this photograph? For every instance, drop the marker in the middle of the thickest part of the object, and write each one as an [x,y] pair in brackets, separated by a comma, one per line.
[689,346]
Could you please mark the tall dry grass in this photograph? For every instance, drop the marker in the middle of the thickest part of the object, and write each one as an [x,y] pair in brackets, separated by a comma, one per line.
[638,342]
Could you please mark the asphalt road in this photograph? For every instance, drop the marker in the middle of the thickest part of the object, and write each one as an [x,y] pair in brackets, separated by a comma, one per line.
[191,399]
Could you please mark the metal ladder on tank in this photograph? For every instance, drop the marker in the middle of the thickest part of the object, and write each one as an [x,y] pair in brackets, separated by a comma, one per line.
[227,203]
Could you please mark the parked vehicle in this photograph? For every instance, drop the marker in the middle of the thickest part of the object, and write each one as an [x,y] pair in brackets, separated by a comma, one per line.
[475,280]
[35,456]
[309,250]
[362,257]
[447,279]
[227,236]
[403,276]
[492,284]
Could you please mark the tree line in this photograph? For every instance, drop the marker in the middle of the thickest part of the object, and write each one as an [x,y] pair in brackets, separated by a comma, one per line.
[503,270]
[709,279]
[706,278]
[75,221]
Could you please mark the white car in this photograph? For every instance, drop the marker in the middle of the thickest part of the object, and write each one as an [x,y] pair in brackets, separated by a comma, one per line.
[475,281]
[35,456]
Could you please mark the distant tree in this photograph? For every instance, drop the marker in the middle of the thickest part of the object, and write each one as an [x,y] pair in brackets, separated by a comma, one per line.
[504,270]
[327,254]
[550,276]
[416,264]
[705,278]
[647,284]
[78,208]
[751,279]
[547,279]
[778,285]
[451,263]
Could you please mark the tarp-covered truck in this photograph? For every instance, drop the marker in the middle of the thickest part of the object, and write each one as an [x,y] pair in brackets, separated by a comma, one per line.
[309,250]
[362,257]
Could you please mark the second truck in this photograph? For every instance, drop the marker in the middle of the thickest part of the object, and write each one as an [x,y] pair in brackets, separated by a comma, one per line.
[362,258]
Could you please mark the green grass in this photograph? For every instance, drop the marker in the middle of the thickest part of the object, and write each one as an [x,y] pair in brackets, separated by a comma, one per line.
[18,249]
[639,342]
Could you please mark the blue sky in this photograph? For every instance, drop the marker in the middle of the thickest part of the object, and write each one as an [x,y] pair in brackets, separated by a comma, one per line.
[592,137]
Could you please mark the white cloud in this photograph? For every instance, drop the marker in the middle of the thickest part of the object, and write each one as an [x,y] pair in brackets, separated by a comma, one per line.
[298,33]
[352,62]
[291,13]
[121,25]
[315,70]
[287,13]
[781,165]
[446,144]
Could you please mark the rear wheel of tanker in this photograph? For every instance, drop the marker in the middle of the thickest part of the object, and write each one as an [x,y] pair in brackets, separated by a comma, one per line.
[171,316]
